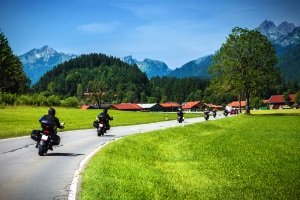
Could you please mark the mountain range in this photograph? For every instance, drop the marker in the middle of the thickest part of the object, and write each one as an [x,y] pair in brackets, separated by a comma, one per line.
[37,62]
[150,67]
[285,37]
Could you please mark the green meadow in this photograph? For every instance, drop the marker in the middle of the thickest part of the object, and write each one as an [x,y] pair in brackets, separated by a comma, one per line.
[243,157]
[21,120]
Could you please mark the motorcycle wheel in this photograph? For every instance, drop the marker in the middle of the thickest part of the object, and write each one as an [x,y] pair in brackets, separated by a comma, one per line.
[100,132]
[42,148]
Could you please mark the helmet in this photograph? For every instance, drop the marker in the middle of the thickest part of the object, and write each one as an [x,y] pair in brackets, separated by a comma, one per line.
[51,111]
[105,110]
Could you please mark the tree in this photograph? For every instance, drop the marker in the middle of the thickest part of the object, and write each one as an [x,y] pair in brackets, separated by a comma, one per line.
[245,65]
[12,76]
[98,87]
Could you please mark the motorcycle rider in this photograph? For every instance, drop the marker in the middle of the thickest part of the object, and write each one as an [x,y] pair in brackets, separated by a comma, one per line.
[52,121]
[180,115]
[106,117]
[214,112]
[225,112]
[206,114]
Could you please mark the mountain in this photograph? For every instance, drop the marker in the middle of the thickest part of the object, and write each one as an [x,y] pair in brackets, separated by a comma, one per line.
[196,67]
[150,67]
[286,40]
[37,62]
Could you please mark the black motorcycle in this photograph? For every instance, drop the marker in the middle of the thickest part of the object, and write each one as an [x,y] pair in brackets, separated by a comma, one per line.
[214,113]
[45,138]
[180,119]
[206,115]
[225,113]
[100,124]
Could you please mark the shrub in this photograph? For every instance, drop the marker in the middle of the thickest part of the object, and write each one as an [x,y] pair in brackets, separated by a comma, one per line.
[53,101]
[70,102]
[7,98]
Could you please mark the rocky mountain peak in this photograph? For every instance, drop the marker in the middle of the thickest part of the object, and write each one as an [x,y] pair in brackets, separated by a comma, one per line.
[285,27]
[149,66]
[38,61]
[282,35]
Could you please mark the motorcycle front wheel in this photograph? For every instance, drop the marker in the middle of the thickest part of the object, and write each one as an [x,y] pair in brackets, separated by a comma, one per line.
[100,132]
[42,148]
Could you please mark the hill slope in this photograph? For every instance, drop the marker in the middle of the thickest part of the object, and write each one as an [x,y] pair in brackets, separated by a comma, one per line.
[118,81]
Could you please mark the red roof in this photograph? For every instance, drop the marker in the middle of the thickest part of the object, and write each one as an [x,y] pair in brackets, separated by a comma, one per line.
[127,106]
[237,104]
[189,105]
[280,98]
[169,105]
[84,107]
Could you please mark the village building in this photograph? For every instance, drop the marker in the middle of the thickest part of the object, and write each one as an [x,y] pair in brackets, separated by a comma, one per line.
[170,106]
[279,101]
[126,107]
[102,106]
[192,106]
[236,104]
[150,107]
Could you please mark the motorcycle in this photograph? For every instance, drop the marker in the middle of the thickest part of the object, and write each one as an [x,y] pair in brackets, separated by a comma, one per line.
[206,115]
[44,138]
[225,113]
[180,119]
[100,125]
[214,113]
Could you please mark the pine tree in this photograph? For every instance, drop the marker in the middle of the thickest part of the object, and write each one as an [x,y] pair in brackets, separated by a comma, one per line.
[12,76]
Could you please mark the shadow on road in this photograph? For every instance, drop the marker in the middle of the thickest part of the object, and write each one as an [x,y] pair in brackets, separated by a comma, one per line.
[64,154]
[109,135]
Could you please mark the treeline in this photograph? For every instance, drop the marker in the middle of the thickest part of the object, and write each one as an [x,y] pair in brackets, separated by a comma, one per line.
[37,100]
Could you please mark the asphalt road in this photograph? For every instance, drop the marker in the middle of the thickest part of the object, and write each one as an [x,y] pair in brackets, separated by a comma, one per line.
[26,175]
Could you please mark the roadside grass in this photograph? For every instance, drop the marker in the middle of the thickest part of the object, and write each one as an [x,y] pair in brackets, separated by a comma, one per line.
[21,120]
[243,157]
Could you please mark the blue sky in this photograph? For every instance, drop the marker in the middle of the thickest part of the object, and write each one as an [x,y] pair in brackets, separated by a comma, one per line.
[173,31]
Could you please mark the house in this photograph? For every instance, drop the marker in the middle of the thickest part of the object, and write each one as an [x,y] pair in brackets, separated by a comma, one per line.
[102,106]
[279,102]
[126,107]
[236,104]
[192,106]
[153,107]
[170,106]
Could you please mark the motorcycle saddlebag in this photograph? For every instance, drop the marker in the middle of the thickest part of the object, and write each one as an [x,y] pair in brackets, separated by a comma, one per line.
[95,124]
[55,140]
[36,135]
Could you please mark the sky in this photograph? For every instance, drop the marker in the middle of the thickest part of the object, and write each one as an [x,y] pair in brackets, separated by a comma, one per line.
[172,31]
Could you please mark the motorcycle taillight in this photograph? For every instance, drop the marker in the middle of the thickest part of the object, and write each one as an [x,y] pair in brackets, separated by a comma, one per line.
[47,131]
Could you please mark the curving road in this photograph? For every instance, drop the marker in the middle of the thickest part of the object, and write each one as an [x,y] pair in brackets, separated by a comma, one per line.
[26,175]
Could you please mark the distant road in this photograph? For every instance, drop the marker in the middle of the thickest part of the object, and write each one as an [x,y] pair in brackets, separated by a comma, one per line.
[26,175]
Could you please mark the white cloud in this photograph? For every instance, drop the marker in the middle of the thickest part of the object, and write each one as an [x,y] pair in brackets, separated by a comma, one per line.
[98,27]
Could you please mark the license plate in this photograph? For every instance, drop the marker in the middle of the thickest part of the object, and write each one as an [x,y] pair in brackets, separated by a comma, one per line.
[101,125]
[45,137]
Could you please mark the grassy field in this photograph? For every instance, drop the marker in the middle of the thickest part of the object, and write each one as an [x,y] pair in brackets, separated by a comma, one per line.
[244,157]
[20,121]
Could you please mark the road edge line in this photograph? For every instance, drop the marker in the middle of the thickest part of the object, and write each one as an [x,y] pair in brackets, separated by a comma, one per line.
[75,181]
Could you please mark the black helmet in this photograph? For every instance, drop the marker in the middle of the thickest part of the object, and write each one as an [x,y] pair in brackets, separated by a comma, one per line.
[51,111]
[105,110]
